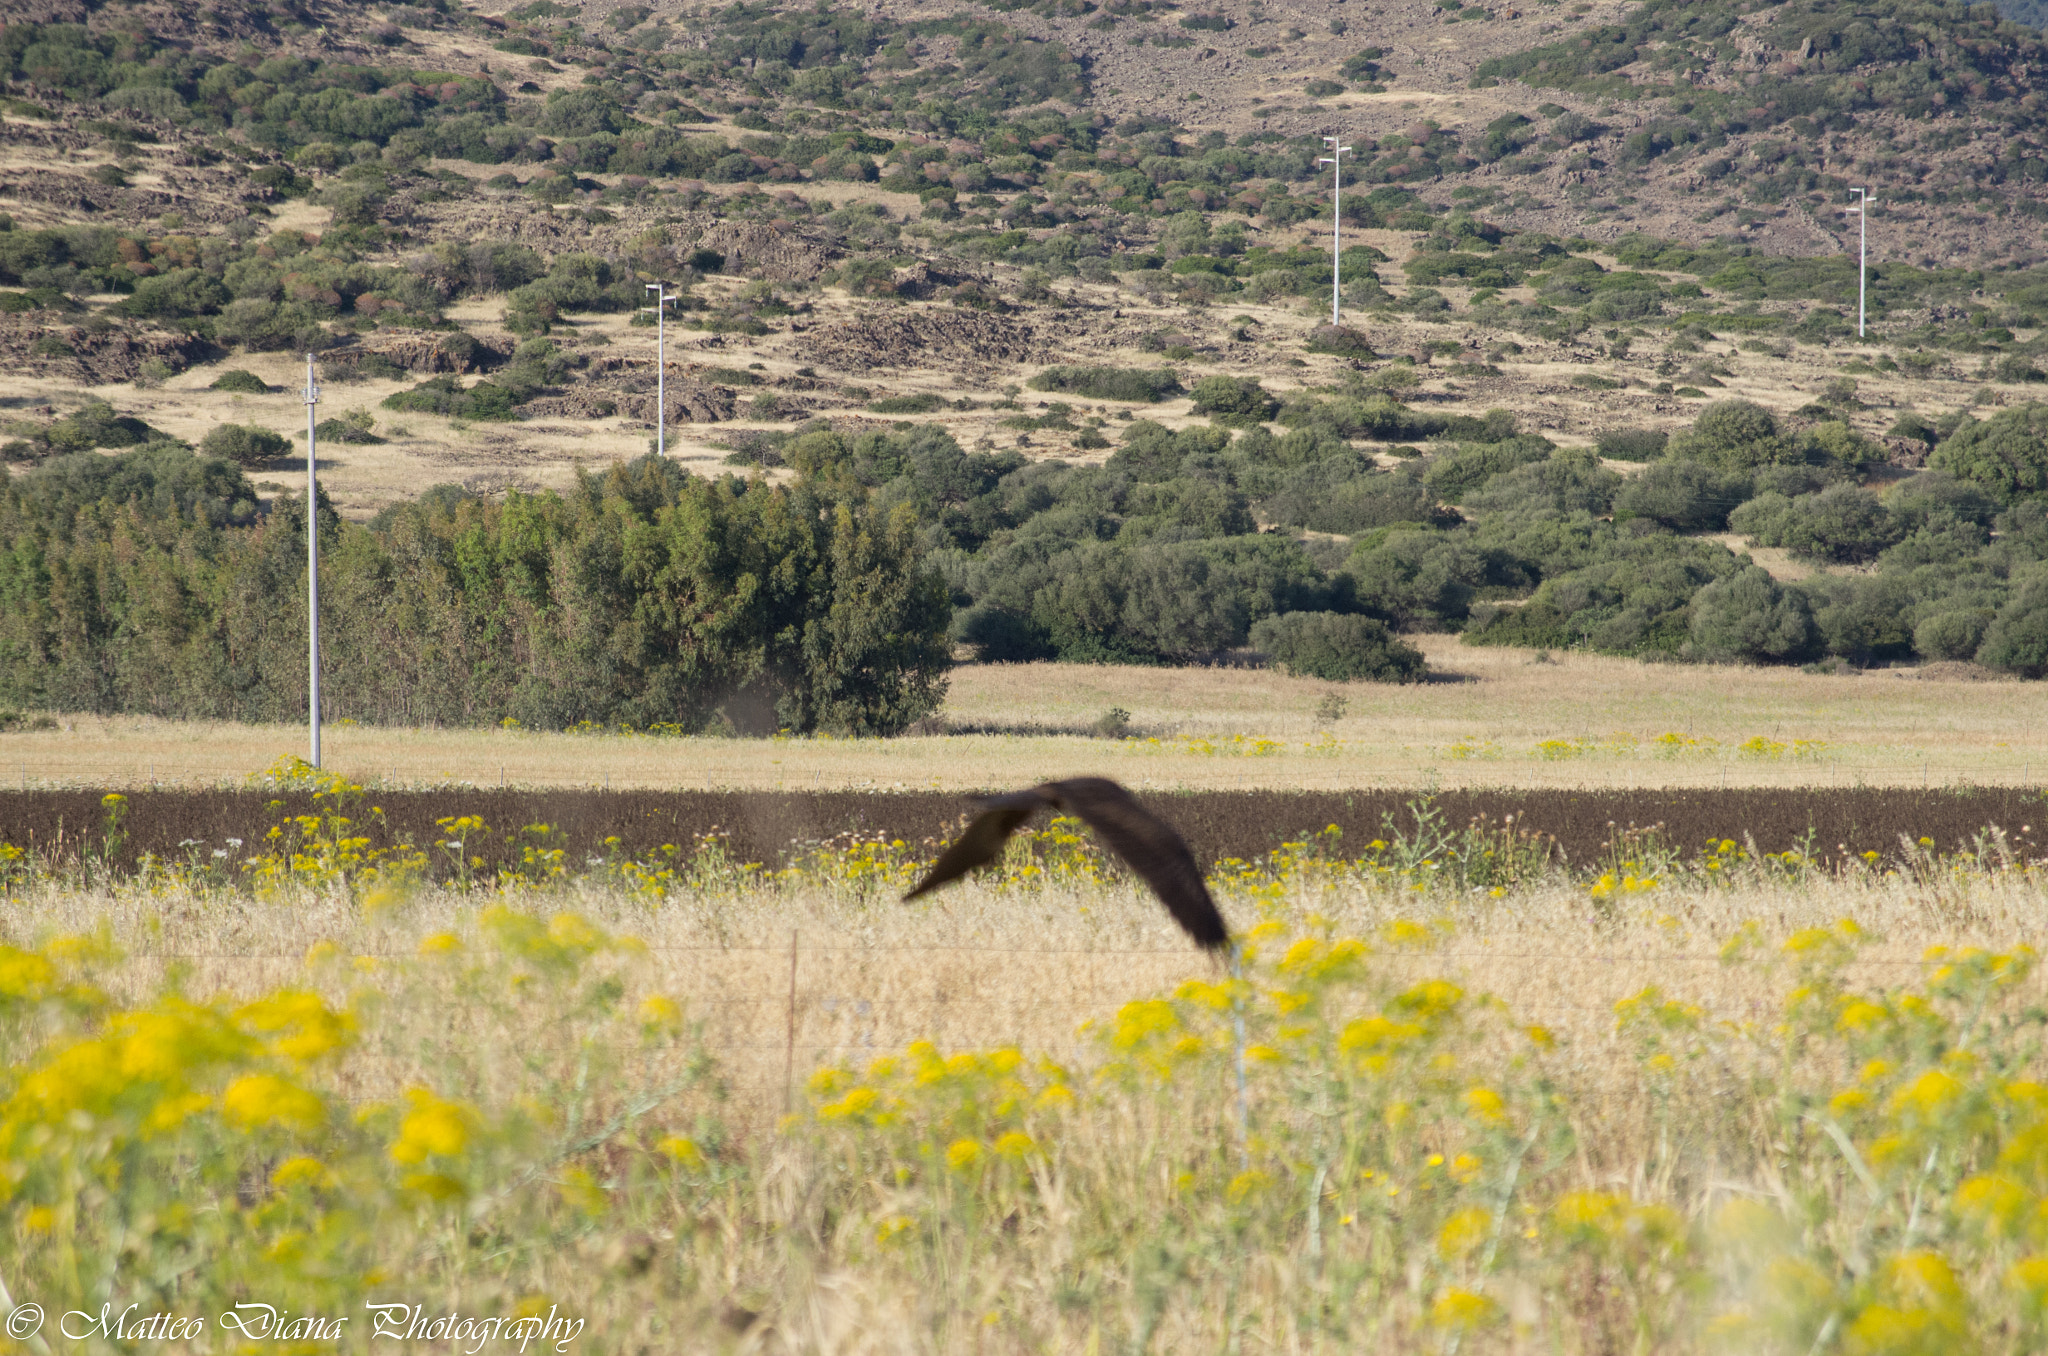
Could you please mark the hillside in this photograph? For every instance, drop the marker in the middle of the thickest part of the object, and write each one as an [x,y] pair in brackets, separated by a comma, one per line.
[1057,276]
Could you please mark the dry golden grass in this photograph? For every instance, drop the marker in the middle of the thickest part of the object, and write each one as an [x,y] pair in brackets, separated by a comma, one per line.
[1124,1210]
[1480,726]
[981,967]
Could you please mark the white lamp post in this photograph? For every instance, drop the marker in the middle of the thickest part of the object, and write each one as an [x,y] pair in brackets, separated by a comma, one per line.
[1863,202]
[660,309]
[1336,219]
[312,394]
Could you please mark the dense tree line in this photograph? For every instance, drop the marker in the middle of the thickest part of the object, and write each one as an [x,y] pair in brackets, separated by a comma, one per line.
[149,582]
[1183,544]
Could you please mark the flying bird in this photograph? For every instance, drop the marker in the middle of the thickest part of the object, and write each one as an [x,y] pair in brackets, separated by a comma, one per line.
[1146,842]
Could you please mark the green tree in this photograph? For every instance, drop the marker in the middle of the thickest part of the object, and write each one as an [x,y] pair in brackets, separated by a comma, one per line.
[2006,455]
[244,444]
[2017,640]
[1734,435]
[1337,646]
[1685,496]
[1750,616]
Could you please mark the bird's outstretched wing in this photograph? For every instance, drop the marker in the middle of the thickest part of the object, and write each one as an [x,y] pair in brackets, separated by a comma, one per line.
[1149,844]
[985,838]
[1146,842]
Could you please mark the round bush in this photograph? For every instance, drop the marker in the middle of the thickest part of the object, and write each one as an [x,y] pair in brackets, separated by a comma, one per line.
[1340,340]
[240,382]
[244,444]
[1337,646]
[1749,616]
[1736,434]
[1952,635]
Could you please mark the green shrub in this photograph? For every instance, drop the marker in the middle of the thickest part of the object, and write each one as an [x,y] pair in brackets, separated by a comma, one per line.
[2007,455]
[179,294]
[1749,616]
[1952,635]
[2017,639]
[1338,647]
[851,639]
[1935,500]
[1000,636]
[1843,523]
[240,382]
[1685,496]
[244,444]
[1340,340]
[1735,435]
[354,428]
[1456,474]
[1568,481]
[1914,428]
[1235,402]
[924,402]
[2016,367]
[1152,452]
[1416,580]
[1138,385]
[1346,493]
[1633,444]
[445,395]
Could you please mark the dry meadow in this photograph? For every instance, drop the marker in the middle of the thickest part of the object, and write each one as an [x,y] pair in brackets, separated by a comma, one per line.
[1584,1114]
[1493,717]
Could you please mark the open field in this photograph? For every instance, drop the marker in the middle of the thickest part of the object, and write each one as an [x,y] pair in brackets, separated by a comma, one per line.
[1545,1119]
[1495,718]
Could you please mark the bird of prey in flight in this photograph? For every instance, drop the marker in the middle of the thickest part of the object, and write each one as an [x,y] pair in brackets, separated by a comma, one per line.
[1146,842]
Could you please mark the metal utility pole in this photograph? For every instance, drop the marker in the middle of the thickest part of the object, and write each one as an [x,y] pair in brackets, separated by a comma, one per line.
[1863,201]
[660,309]
[312,394]
[1336,219]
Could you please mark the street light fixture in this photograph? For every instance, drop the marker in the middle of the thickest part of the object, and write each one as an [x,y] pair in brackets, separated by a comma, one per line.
[662,298]
[1863,201]
[312,396]
[1336,216]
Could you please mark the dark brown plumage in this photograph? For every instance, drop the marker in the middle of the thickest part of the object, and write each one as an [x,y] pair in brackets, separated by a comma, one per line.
[1144,841]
